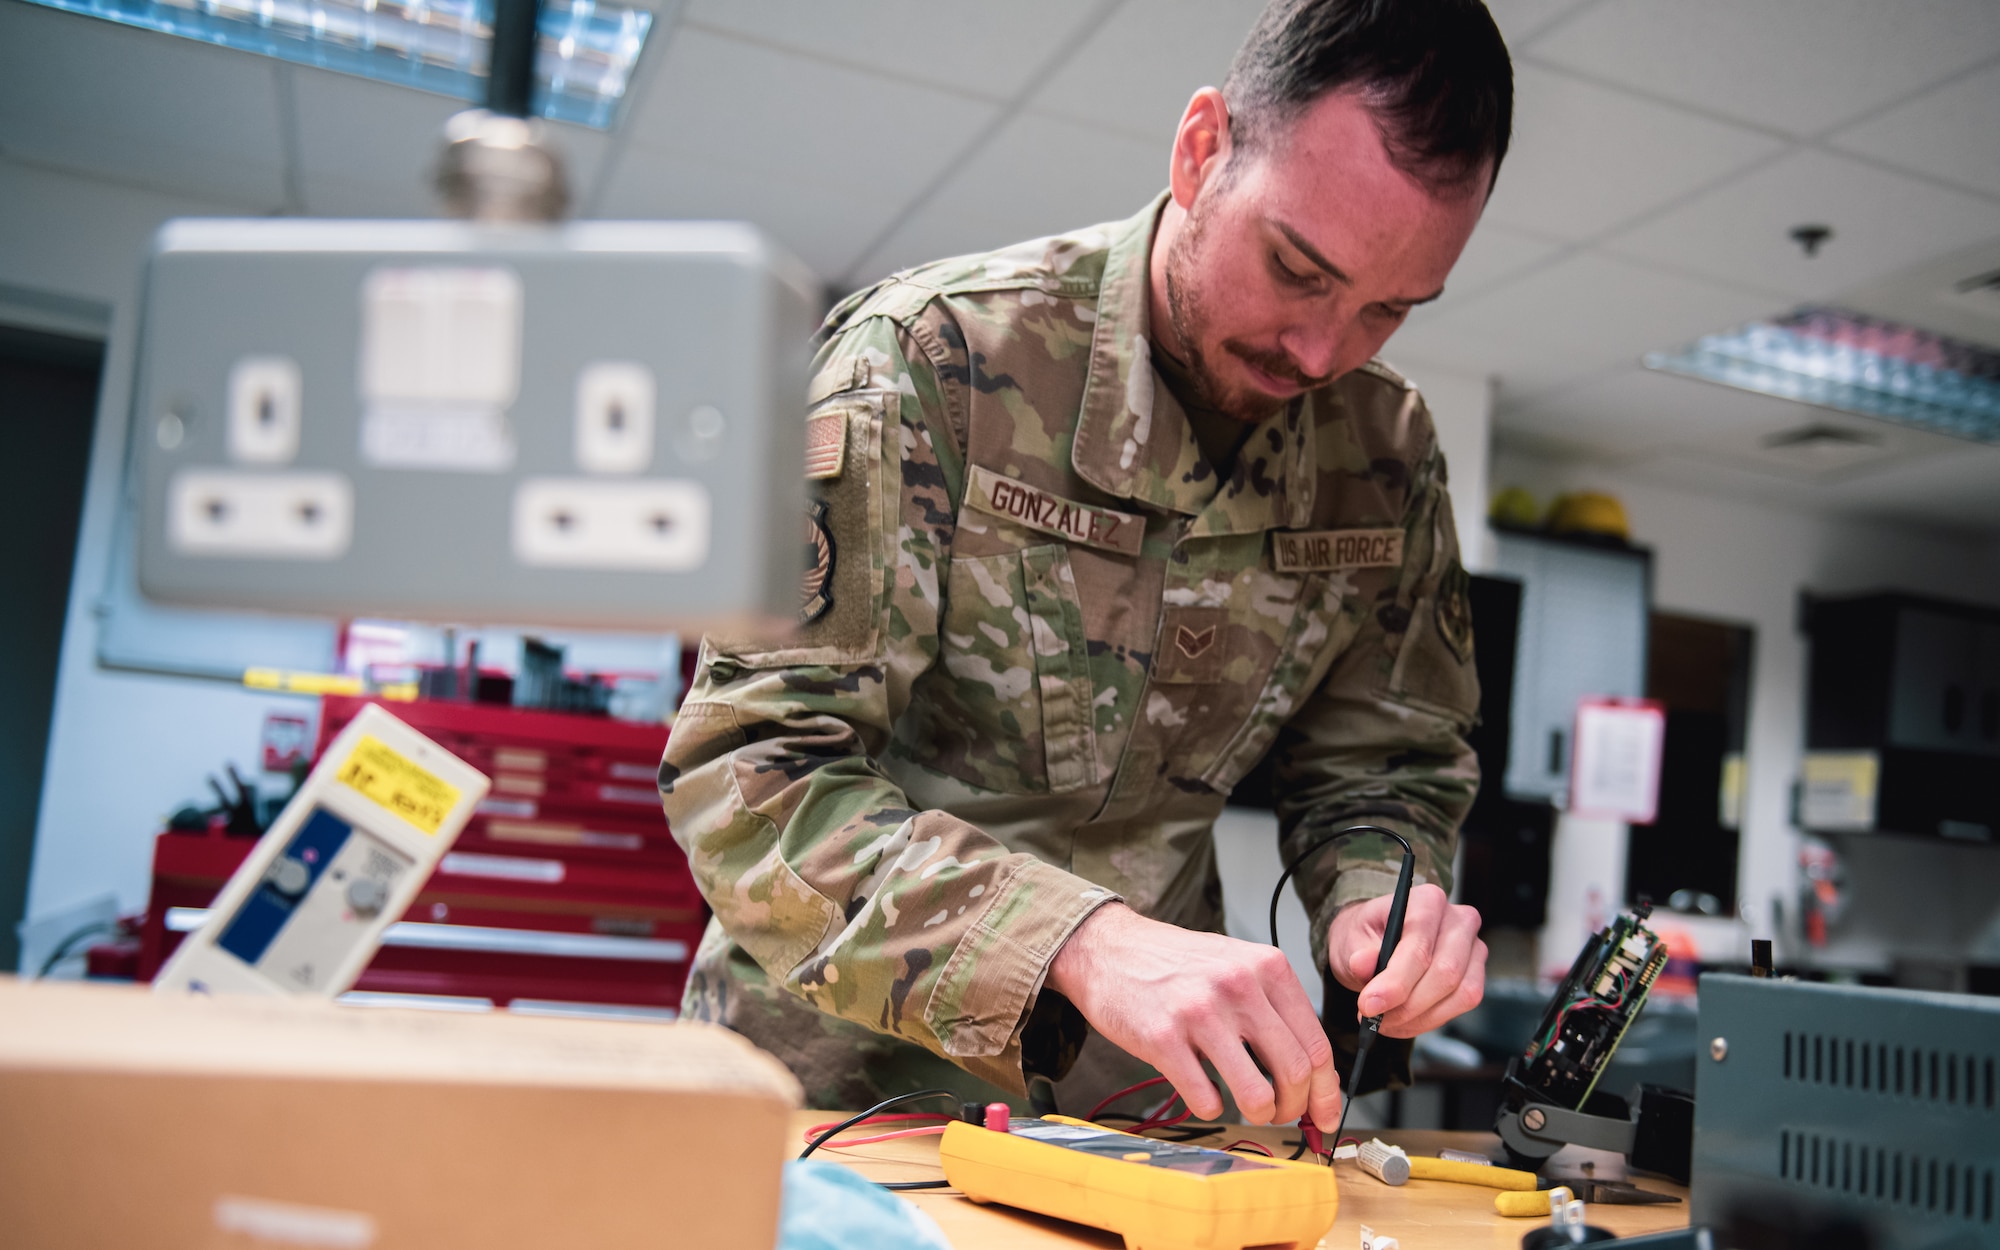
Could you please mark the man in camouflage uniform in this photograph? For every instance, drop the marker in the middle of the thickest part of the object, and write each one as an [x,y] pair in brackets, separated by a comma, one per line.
[1099,521]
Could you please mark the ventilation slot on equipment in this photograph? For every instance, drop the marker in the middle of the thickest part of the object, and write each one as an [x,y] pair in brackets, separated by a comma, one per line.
[1914,1183]
[1878,1067]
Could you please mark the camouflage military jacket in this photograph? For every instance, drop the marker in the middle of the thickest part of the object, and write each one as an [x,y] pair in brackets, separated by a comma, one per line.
[1045,642]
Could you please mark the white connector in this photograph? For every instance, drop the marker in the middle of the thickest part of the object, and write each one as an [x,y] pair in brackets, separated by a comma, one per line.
[266,407]
[614,417]
[283,516]
[661,526]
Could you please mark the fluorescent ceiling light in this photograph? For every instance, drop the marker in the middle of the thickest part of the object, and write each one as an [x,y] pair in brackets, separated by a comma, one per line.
[1854,363]
[587,53]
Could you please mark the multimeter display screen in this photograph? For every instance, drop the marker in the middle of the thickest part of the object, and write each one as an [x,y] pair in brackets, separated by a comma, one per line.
[1122,1146]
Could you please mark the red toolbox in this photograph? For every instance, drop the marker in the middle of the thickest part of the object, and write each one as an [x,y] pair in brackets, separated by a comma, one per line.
[566,887]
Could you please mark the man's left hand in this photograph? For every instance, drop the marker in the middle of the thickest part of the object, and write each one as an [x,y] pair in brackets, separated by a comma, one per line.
[1437,972]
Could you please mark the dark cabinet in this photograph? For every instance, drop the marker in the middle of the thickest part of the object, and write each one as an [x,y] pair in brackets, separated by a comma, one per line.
[1914,685]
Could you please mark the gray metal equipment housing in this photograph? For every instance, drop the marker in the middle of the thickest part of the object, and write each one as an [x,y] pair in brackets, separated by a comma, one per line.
[1839,1115]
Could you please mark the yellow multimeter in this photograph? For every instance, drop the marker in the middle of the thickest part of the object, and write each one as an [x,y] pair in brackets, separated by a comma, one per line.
[1158,1195]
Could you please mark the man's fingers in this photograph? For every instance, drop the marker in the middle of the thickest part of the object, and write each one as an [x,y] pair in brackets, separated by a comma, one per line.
[1182,1068]
[1451,958]
[1254,1096]
[1320,1086]
[1285,1059]
[1461,1000]
[1413,953]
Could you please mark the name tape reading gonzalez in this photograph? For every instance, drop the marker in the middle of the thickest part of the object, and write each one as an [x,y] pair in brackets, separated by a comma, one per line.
[399,784]
[1336,551]
[1052,514]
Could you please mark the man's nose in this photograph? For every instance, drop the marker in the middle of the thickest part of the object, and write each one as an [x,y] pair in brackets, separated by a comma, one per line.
[1315,347]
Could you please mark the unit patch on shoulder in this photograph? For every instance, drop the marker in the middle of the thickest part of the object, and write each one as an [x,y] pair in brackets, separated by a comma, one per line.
[1004,497]
[816,584]
[1336,551]
[826,445]
[1454,611]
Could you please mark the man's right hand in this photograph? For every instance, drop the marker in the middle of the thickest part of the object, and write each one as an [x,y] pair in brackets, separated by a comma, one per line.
[1171,997]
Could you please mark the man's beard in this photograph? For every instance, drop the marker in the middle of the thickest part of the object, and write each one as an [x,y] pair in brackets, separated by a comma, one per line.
[1187,308]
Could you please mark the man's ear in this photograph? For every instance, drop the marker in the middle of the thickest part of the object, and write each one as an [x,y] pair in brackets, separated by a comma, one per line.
[1201,146]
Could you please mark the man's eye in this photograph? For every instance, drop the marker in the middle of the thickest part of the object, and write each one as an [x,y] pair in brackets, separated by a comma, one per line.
[1287,274]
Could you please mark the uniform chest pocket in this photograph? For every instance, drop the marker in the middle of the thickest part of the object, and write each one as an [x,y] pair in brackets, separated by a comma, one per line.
[1296,649]
[1011,697]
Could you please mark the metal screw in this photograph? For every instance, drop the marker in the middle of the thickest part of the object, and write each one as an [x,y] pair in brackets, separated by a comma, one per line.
[1718,1049]
[1534,1119]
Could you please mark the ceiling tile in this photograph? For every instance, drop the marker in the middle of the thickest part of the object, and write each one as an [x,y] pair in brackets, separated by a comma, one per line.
[370,149]
[1038,176]
[1881,221]
[1494,254]
[86,95]
[1803,66]
[1139,70]
[1521,22]
[1572,318]
[802,127]
[1585,158]
[1951,133]
[971,46]
[825,229]
[1634,411]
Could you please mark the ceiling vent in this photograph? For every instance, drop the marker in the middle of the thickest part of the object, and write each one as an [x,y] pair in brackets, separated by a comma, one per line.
[1818,449]
[1979,293]
[1849,361]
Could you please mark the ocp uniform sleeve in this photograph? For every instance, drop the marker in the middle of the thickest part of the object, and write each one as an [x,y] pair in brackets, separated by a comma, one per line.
[1382,739]
[915,924]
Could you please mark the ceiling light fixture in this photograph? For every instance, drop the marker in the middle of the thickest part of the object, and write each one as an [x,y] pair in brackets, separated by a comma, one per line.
[587,54]
[1851,362]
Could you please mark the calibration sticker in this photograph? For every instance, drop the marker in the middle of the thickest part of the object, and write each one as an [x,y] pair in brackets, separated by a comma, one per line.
[1336,551]
[395,783]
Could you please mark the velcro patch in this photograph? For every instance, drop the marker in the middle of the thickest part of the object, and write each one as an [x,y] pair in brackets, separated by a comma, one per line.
[1037,509]
[1335,551]
[826,446]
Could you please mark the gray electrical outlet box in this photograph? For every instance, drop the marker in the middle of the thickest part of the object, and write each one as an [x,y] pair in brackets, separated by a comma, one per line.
[1839,1115]
[595,425]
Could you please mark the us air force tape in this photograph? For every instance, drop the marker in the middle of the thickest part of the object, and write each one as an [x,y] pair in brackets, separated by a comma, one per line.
[1336,551]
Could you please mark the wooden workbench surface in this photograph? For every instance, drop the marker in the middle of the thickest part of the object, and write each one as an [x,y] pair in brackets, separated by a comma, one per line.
[1422,1215]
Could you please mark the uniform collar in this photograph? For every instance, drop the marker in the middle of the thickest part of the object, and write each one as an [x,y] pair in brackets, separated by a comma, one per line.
[1133,438]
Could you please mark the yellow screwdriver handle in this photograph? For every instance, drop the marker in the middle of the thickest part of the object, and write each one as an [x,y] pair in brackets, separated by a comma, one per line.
[1424,1167]
[1519,1203]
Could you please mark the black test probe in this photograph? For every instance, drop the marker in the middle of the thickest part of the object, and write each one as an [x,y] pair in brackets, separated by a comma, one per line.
[1392,933]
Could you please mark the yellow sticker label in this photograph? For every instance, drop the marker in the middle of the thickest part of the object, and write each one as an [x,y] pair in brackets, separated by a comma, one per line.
[398,785]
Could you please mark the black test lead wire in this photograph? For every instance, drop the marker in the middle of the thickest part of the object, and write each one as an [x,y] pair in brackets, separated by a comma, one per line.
[1392,933]
[878,1109]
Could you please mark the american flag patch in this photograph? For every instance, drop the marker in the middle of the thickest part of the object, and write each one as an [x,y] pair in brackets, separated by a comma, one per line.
[826,446]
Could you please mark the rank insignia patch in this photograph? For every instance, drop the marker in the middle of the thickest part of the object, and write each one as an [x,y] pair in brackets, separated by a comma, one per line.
[1454,611]
[1193,642]
[816,584]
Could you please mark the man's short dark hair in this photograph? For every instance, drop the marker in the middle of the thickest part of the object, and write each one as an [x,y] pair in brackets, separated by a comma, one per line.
[1435,73]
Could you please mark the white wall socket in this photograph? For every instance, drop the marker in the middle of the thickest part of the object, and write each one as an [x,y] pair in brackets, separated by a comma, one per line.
[614,417]
[661,526]
[286,516]
[265,410]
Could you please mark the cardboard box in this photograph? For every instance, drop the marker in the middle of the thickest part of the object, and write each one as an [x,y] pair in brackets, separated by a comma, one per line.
[128,1119]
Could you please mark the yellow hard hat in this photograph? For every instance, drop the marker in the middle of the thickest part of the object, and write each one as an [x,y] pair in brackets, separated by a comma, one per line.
[1590,512]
